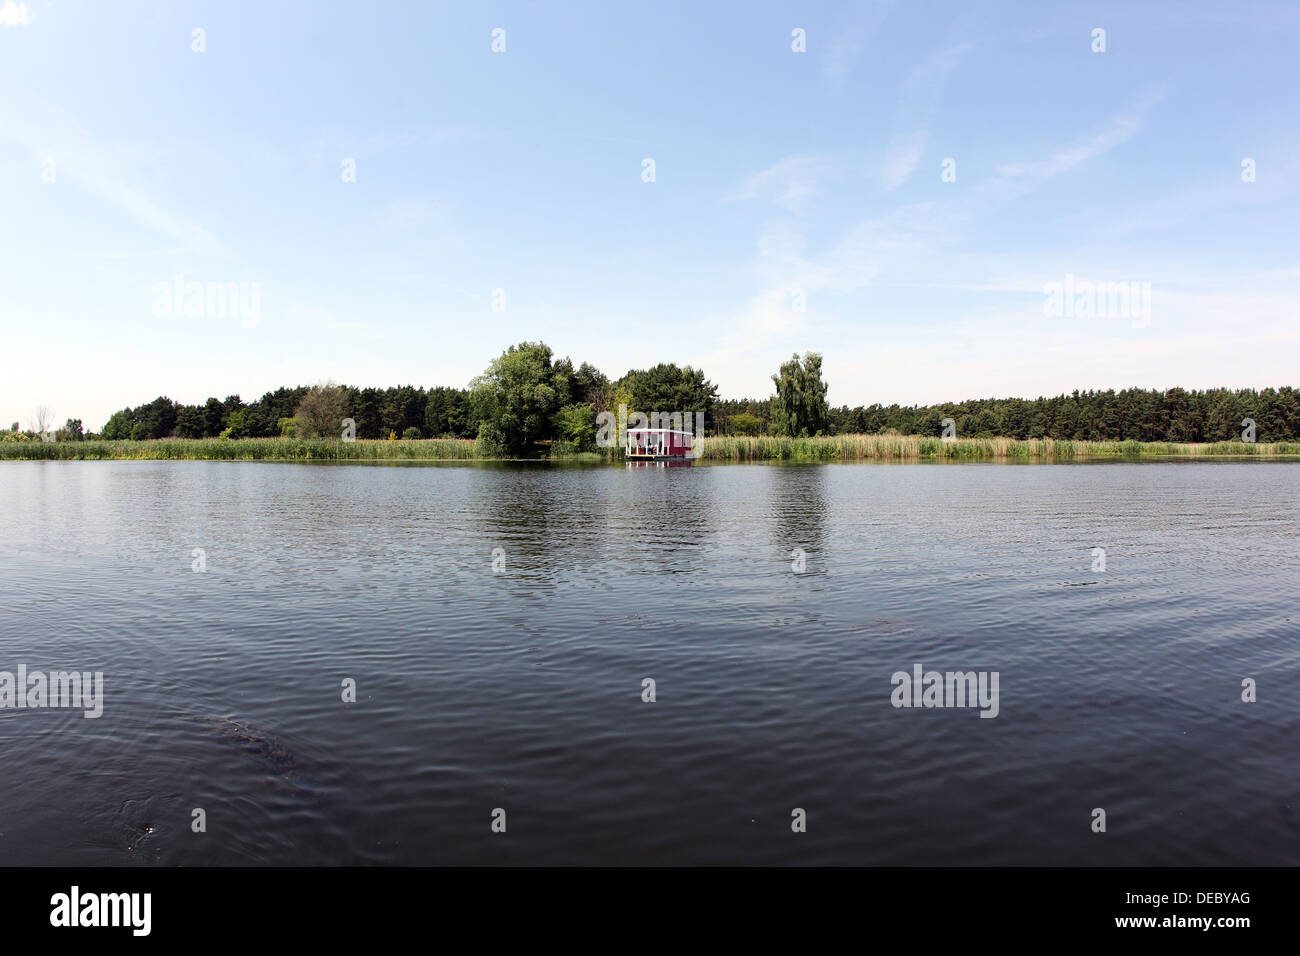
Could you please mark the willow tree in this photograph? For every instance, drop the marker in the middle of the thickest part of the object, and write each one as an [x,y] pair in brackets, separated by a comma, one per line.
[800,406]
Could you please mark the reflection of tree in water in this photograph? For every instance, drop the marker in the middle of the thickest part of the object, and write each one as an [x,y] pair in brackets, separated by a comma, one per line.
[542,516]
[798,508]
[666,518]
[555,520]
[638,522]
[643,539]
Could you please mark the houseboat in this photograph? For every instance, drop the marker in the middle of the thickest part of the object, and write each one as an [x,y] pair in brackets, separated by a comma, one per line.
[655,444]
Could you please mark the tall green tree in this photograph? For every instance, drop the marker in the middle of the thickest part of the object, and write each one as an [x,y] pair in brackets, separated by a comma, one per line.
[444,414]
[189,421]
[670,388]
[119,425]
[575,426]
[320,412]
[592,387]
[403,407]
[801,407]
[213,415]
[156,419]
[367,412]
[518,395]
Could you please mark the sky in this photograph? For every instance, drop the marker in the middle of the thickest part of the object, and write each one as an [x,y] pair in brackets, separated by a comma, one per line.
[644,183]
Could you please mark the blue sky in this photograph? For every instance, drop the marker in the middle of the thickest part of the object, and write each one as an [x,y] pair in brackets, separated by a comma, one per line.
[128,158]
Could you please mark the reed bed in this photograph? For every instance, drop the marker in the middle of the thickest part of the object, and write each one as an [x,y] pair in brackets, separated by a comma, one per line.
[920,448]
[886,447]
[246,449]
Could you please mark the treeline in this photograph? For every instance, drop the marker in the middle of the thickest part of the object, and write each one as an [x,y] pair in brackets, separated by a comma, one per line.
[1132,414]
[527,398]
[405,410]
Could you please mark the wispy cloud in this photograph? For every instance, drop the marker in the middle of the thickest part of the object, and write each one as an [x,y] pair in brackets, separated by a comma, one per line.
[1195,203]
[846,46]
[899,243]
[789,183]
[921,94]
[191,236]
[91,166]
[1119,130]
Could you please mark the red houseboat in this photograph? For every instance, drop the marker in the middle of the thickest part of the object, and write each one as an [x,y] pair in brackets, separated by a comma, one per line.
[651,444]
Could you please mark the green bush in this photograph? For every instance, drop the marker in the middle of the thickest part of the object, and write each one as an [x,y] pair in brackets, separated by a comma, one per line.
[491,442]
[575,428]
[744,423]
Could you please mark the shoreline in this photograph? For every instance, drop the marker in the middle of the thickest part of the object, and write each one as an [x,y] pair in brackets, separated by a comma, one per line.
[716,449]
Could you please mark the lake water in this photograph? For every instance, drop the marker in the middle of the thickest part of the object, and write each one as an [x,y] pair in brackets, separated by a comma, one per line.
[521,688]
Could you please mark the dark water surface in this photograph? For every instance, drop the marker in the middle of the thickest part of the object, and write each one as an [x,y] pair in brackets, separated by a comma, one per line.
[521,690]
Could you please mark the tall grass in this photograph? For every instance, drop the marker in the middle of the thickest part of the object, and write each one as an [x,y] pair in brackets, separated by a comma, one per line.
[890,447]
[246,449]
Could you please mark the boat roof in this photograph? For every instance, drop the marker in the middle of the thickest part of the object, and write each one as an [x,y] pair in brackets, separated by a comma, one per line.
[671,431]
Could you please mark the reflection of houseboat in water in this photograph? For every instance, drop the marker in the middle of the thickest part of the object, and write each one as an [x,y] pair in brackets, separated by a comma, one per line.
[660,463]
[657,444]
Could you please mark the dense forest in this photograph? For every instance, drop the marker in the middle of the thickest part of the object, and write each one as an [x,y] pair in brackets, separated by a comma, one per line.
[526,396]
[1132,414]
